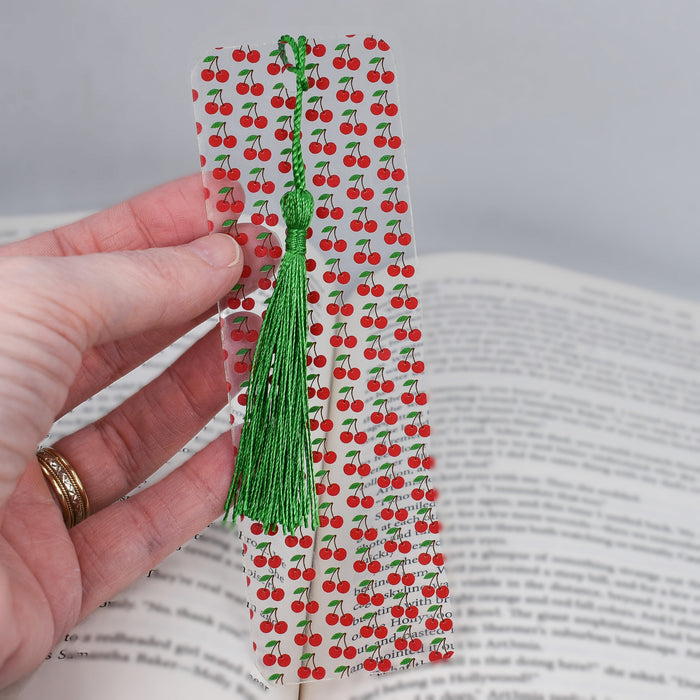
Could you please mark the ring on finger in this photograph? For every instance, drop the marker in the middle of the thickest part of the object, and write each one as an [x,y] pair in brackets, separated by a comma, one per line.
[65,485]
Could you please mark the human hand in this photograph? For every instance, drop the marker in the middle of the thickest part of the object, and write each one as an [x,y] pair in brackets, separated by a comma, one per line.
[80,307]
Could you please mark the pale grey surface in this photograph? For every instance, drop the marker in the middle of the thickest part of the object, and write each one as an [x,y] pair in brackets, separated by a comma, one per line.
[562,131]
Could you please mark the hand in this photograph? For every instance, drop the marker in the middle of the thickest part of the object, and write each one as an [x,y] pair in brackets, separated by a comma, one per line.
[80,307]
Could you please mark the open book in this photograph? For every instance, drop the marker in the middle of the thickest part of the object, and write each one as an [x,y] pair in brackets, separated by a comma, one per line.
[567,431]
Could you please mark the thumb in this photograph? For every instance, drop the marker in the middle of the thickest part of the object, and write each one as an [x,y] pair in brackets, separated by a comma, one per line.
[116,295]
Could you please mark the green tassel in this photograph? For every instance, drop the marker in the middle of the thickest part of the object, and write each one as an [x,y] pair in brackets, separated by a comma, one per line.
[273,481]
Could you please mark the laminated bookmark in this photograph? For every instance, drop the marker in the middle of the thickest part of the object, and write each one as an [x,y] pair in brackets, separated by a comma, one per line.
[303,163]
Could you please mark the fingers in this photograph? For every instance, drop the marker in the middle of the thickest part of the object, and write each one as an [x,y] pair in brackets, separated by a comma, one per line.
[119,451]
[124,541]
[53,310]
[171,214]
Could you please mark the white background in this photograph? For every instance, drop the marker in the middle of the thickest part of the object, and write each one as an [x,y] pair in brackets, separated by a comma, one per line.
[562,131]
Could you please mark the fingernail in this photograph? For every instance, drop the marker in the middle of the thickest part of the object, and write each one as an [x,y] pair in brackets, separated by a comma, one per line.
[218,249]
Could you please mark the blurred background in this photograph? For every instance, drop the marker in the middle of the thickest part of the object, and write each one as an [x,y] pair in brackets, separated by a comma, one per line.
[561,131]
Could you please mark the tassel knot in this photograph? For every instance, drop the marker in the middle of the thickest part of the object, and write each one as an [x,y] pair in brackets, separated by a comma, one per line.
[297,209]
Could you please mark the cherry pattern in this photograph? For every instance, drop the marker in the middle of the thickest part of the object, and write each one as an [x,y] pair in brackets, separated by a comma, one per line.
[368,590]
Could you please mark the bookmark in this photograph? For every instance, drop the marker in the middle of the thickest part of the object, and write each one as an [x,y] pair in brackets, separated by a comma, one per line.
[366,590]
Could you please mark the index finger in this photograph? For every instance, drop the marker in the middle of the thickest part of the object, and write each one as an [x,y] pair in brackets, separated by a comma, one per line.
[168,215]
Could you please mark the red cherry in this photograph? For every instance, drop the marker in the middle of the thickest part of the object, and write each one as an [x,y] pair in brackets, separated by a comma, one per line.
[359,566]
[266,626]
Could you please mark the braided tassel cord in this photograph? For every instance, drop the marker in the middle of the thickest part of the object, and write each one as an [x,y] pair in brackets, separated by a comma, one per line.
[273,481]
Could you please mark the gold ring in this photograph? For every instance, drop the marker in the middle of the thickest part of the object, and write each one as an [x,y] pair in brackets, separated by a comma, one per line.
[65,484]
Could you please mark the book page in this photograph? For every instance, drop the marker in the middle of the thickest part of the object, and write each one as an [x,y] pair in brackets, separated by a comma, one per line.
[183,628]
[566,426]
